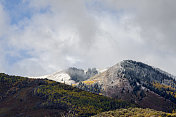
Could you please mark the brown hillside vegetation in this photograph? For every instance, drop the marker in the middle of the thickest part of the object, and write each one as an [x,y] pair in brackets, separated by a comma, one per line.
[135,112]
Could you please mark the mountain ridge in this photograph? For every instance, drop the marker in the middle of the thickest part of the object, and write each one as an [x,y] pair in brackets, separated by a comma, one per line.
[135,82]
[125,84]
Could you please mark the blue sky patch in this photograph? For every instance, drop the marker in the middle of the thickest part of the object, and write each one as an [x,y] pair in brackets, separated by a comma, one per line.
[22,54]
[17,10]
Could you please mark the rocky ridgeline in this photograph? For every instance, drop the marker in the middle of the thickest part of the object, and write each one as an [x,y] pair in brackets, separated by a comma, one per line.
[144,74]
[135,82]
[128,74]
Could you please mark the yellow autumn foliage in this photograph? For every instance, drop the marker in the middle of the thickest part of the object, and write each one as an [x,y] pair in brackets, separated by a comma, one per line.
[89,82]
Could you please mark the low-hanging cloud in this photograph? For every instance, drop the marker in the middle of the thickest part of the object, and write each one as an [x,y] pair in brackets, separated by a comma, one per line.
[84,34]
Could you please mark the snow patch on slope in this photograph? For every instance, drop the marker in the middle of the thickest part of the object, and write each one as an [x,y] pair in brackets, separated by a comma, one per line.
[101,70]
[59,77]
[72,75]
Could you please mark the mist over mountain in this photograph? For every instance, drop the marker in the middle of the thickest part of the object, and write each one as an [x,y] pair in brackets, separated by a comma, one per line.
[81,58]
[40,37]
[72,75]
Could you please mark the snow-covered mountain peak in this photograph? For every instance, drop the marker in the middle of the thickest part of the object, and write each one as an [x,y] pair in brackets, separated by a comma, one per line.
[72,75]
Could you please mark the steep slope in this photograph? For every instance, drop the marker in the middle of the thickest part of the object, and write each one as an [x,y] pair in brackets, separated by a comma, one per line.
[135,82]
[24,97]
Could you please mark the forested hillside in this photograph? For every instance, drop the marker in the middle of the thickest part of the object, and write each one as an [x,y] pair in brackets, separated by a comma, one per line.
[21,96]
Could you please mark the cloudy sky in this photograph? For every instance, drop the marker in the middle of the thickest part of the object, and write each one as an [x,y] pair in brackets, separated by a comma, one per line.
[38,37]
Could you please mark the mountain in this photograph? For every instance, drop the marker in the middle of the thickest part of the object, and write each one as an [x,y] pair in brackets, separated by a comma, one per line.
[136,82]
[24,97]
[72,75]
[126,85]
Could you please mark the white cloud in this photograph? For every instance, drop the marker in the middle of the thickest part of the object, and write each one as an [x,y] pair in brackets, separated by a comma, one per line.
[3,30]
[97,34]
